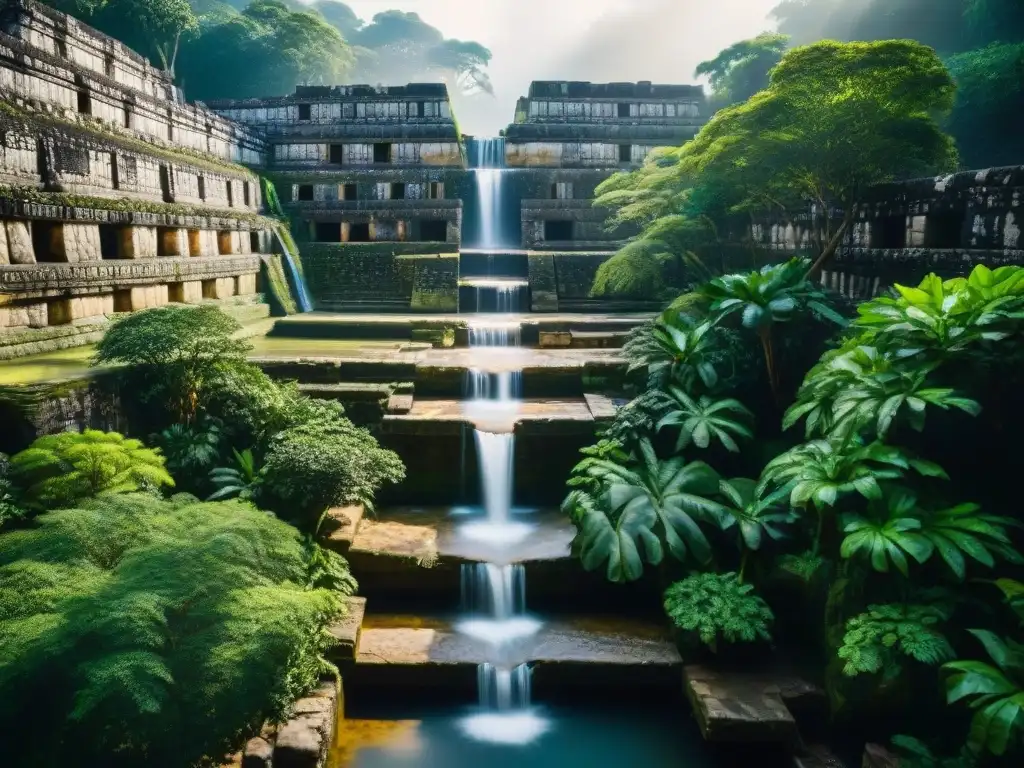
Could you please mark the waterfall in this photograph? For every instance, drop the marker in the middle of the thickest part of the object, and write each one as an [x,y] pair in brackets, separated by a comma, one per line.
[494,594]
[488,171]
[301,292]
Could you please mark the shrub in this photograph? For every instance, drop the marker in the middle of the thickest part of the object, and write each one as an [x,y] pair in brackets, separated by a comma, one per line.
[717,606]
[154,632]
[62,469]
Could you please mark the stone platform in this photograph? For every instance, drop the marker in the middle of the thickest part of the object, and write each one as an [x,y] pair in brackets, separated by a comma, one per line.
[398,650]
[534,417]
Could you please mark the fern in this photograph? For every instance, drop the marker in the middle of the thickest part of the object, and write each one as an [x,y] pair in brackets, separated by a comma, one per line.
[804,566]
[718,606]
[59,470]
[877,640]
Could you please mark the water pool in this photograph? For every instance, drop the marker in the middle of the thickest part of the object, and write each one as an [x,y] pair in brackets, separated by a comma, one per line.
[575,738]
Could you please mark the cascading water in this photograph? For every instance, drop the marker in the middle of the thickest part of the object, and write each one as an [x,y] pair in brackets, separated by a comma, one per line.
[494,593]
[488,170]
[301,291]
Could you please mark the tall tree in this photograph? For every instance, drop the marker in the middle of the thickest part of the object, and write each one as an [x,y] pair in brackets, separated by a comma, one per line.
[741,70]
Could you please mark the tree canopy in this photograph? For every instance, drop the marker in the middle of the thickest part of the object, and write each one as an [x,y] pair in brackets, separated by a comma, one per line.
[741,70]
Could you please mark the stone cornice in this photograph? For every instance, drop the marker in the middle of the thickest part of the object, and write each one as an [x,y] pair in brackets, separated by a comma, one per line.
[31,280]
[28,209]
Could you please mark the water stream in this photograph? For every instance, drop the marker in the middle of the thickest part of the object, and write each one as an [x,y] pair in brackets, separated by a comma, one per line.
[488,166]
[494,594]
[298,283]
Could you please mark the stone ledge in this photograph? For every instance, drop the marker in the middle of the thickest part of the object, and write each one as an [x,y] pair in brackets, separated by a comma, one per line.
[747,708]
[340,527]
[348,630]
[54,279]
[124,211]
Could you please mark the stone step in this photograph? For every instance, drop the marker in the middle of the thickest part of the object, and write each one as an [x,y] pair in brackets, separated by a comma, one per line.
[339,527]
[536,416]
[739,707]
[399,651]
[348,630]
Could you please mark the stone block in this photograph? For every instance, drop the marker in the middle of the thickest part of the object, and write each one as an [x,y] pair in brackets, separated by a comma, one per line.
[245,285]
[5,256]
[555,339]
[877,756]
[339,527]
[173,242]
[347,631]
[192,291]
[137,243]
[739,708]
[244,242]
[208,243]
[19,243]
[59,311]
[224,288]
[81,242]
[259,753]
[303,741]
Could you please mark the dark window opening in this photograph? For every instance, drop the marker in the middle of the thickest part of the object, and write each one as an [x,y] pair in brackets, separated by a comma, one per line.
[351,192]
[890,232]
[126,116]
[62,48]
[623,110]
[46,237]
[305,112]
[108,67]
[944,229]
[170,125]
[305,191]
[554,191]
[231,194]
[245,194]
[176,293]
[166,241]
[382,153]
[398,191]
[123,300]
[558,231]
[84,103]
[328,232]
[421,108]
[201,186]
[437,190]
[109,238]
[434,231]
[625,153]
[115,174]
[165,183]
[254,242]
[359,233]
[336,153]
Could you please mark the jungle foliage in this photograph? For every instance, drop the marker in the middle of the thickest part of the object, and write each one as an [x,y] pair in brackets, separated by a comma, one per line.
[166,631]
[733,487]
[834,119]
[231,49]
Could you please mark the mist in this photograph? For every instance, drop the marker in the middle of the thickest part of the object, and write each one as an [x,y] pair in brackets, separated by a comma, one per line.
[596,40]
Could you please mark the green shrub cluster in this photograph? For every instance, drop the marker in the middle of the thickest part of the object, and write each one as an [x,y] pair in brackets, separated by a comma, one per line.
[873,532]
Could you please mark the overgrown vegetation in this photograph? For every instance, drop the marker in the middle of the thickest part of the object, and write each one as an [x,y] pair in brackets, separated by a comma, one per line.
[861,496]
[167,631]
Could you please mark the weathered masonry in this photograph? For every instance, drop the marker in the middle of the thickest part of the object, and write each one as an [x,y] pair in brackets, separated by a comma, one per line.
[115,194]
[904,230]
[572,136]
[567,138]
[368,177]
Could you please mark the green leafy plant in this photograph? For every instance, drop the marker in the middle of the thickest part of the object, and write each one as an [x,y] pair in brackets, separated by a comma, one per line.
[179,348]
[59,470]
[189,450]
[764,298]
[914,753]
[242,481]
[643,508]
[676,347]
[754,517]
[877,640]
[718,607]
[701,420]
[994,691]
[143,616]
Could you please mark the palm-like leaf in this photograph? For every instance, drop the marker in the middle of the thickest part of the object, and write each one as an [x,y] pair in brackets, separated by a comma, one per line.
[865,388]
[965,530]
[645,508]
[674,347]
[752,515]
[888,538]
[823,471]
[701,420]
[995,692]
[240,481]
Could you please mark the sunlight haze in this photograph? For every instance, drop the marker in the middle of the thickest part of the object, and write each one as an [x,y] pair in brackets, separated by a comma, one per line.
[596,40]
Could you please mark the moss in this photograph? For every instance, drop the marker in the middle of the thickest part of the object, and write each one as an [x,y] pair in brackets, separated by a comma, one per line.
[279,284]
[32,122]
[129,205]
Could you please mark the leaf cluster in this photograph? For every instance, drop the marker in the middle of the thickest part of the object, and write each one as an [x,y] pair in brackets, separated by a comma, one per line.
[718,606]
[876,641]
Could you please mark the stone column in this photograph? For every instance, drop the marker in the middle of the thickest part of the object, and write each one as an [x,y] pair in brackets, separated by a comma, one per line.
[136,243]
[80,242]
[19,243]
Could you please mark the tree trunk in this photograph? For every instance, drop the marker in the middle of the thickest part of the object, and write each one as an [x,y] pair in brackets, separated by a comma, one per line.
[832,247]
